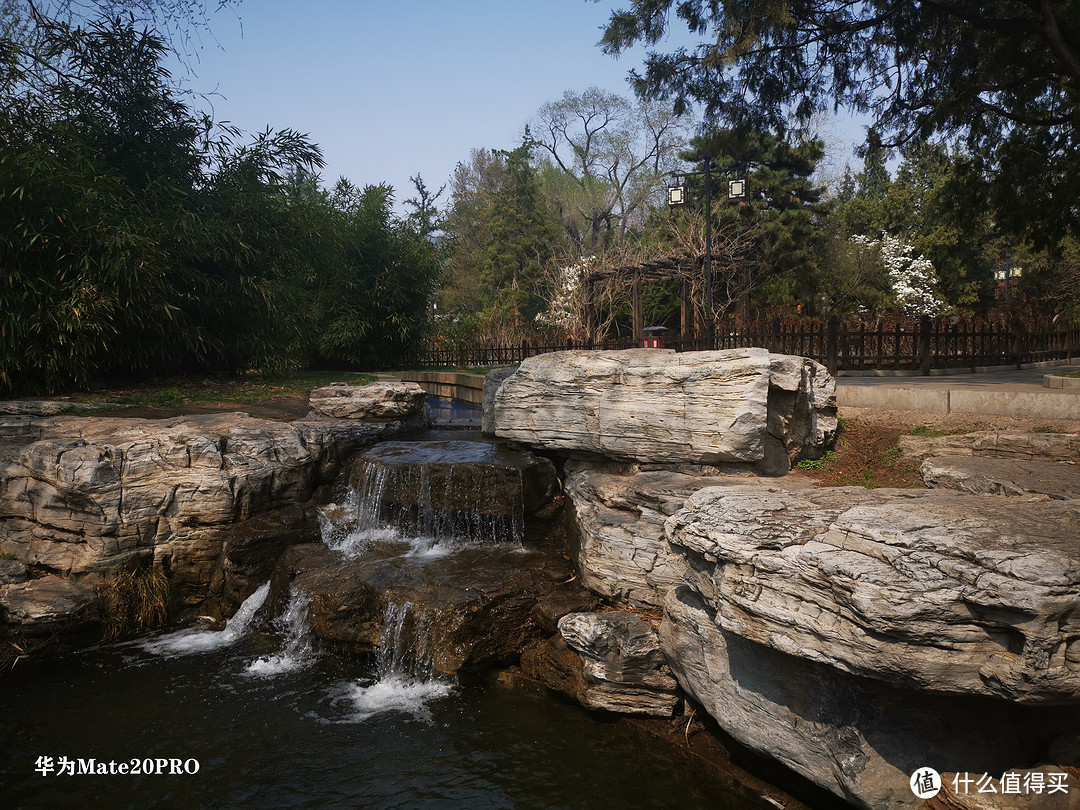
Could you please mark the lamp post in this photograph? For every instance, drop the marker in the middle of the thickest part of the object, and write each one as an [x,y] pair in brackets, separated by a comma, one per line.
[1007,270]
[677,195]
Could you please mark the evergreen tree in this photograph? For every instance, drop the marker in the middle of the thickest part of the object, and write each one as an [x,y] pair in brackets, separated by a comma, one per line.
[783,210]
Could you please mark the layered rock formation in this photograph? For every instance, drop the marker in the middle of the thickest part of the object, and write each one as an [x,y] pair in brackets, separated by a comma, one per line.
[212,499]
[740,406]
[386,399]
[820,626]
[616,530]
[925,590]
[606,661]
[853,634]
[999,463]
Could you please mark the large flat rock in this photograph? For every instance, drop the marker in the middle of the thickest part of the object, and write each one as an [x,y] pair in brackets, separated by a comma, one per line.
[1002,476]
[1005,444]
[740,406]
[382,400]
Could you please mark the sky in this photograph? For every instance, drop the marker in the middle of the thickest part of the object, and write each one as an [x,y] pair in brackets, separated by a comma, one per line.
[392,89]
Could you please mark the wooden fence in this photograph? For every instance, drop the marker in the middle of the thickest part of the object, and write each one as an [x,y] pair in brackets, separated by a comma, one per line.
[901,344]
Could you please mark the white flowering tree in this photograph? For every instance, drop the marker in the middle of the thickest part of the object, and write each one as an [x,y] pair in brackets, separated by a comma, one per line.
[568,305]
[914,280]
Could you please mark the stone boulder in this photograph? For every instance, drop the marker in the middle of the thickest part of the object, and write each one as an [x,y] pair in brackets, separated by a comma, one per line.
[857,737]
[606,661]
[1002,476]
[467,611]
[1013,445]
[818,626]
[739,406]
[999,463]
[211,498]
[926,590]
[616,530]
[492,380]
[553,606]
[383,400]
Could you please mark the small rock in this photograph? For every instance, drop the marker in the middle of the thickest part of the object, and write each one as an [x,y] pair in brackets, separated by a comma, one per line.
[384,400]
[607,661]
[552,607]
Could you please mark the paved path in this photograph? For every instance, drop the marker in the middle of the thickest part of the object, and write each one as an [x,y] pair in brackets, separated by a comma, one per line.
[1008,392]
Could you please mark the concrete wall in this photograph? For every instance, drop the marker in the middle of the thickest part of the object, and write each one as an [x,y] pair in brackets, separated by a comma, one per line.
[448,384]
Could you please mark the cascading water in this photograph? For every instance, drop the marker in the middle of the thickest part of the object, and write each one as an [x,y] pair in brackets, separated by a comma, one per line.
[297,649]
[183,642]
[404,676]
[433,496]
[429,500]
[330,731]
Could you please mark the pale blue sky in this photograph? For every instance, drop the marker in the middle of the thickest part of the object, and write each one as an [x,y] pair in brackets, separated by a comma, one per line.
[390,89]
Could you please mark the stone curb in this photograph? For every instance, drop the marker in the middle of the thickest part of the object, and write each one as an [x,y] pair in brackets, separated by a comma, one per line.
[1071,384]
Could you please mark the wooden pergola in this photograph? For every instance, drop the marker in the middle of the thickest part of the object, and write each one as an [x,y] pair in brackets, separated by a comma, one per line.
[692,312]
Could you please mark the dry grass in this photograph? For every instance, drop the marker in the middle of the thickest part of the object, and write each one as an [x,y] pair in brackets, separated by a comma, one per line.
[134,601]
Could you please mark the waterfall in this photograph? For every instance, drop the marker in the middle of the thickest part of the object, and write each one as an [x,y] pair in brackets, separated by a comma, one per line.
[297,649]
[182,642]
[404,675]
[434,496]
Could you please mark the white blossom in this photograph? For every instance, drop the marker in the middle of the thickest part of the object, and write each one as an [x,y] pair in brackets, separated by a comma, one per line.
[566,305]
[914,280]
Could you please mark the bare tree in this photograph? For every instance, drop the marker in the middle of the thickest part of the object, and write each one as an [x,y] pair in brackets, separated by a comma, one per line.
[606,160]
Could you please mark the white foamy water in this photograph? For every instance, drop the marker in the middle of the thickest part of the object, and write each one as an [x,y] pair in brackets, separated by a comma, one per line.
[430,547]
[297,650]
[394,693]
[406,682]
[358,542]
[184,642]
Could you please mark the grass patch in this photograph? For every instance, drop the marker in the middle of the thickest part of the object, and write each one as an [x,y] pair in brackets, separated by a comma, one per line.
[7,555]
[134,601]
[866,456]
[817,463]
[1073,374]
[1044,429]
[247,389]
[923,430]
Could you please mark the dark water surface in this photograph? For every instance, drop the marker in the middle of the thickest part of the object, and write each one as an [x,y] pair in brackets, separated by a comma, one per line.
[321,734]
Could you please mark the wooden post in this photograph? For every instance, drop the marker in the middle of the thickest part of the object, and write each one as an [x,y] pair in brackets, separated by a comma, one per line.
[925,325]
[638,313]
[686,312]
[831,340]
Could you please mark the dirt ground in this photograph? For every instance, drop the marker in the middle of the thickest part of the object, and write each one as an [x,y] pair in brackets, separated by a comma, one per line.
[867,451]
[284,409]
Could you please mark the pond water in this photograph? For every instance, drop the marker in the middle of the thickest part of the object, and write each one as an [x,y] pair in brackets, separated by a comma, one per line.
[255,716]
[272,725]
